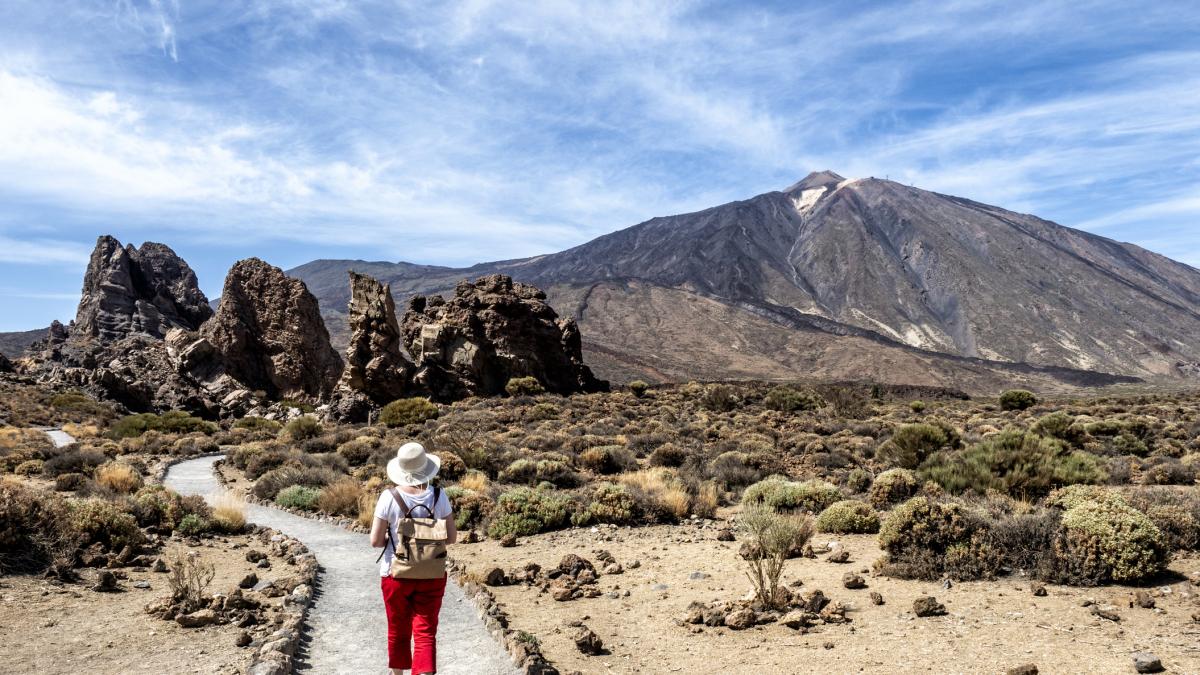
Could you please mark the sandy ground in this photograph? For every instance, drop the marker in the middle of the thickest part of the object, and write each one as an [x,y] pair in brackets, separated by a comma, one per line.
[991,626]
[48,628]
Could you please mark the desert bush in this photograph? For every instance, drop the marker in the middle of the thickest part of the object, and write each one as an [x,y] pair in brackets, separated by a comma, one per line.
[553,470]
[105,523]
[119,477]
[733,469]
[1167,471]
[638,388]
[668,454]
[275,480]
[789,399]
[35,530]
[846,402]
[773,535]
[471,507]
[1175,514]
[1102,542]
[356,452]
[474,480]
[194,444]
[911,444]
[927,539]
[607,459]
[78,402]
[69,482]
[340,498]
[405,411]
[1069,497]
[170,422]
[189,576]
[453,466]
[525,511]
[543,411]
[858,480]
[72,460]
[300,497]
[917,406]
[1062,426]
[301,428]
[1014,462]
[193,525]
[782,494]
[157,507]
[608,503]
[258,424]
[1025,540]
[719,398]
[29,467]
[848,517]
[1017,399]
[659,492]
[524,386]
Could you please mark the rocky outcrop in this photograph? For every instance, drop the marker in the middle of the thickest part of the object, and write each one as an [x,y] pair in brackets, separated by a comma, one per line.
[377,370]
[490,331]
[6,366]
[137,291]
[268,335]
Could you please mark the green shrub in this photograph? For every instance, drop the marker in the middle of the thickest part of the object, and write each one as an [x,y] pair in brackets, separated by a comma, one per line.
[258,424]
[78,402]
[912,443]
[356,452]
[543,411]
[1017,399]
[609,503]
[29,467]
[782,494]
[789,399]
[719,398]
[858,480]
[524,386]
[301,429]
[471,508]
[1062,426]
[892,487]
[848,517]
[533,471]
[638,388]
[272,482]
[301,497]
[105,523]
[1013,462]
[193,525]
[156,506]
[917,406]
[1069,497]
[733,468]
[407,411]
[525,511]
[1104,542]
[927,539]
[69,482]
[170,422]
[73,460]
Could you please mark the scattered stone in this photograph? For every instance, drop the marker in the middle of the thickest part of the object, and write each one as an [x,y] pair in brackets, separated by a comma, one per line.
[508,541]
[243,639]
[587,642]
[614,568]
[1024,669]
[828,645]
[798,619]
[853,581]
[254,556]
[199,619]
[1038,590]
[248,581]
[1145,662]
[725,534]
[496,577]
[839,556]
[815,601]
[697,576]
[740,619]
[876,598]
[1105,613]
[1143,599]
[106,582]
[928,606]
[144,585]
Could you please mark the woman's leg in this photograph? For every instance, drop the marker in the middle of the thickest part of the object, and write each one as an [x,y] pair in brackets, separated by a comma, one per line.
[427,603]
[397,600]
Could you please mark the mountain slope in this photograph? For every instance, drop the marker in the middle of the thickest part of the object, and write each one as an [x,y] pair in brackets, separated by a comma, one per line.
[890,265]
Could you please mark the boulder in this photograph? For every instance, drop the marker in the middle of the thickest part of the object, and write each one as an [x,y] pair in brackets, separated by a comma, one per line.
[928,606]
[740,619]
[376,366]
[490,331]
[853,581]
[199,619]
[587,642]
[1145,662]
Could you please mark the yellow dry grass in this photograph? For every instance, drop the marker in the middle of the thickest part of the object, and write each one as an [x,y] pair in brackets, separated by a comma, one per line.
[81,430]
[476,481]
[229,512]
[119,477]
[662,485]
[341,498]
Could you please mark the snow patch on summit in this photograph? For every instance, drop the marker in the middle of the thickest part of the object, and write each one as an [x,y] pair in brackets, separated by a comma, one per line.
[807,198]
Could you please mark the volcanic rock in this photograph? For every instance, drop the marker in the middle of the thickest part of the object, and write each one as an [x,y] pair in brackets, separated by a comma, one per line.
[269,334]
[928,606]
[491,331]
[377,370]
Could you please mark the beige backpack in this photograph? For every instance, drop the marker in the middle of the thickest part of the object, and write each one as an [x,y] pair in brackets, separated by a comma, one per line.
[421,551]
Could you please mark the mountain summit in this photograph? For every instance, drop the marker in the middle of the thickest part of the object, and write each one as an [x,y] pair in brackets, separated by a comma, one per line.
[840,278]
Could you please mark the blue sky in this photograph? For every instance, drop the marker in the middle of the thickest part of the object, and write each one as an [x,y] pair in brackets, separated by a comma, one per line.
[452,133]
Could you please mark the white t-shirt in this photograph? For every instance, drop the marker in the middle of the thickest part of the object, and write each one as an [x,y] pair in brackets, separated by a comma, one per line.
[387,509]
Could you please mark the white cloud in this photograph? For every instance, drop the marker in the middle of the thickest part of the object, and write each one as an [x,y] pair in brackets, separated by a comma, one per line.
[39,251]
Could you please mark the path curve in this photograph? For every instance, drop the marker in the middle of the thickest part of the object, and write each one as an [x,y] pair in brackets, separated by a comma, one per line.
[57,436]
[347,628]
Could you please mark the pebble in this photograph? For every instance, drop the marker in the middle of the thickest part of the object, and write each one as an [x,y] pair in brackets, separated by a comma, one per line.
[1145,662]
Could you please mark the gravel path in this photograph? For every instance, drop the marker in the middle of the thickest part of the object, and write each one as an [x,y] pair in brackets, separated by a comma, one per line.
[59,437]
[348,630]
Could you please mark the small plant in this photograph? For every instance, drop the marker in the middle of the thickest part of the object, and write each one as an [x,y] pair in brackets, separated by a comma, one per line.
[668,454]
[773,535]
[912,443]
[258,424]
[407,411]
[189,577]
[1017,399]
[301,429]
[229,513]
[1014,462]
[105,523]
[782,494]
[275,480]
[917,406]
[659,492]
[340,498]
[610,503]
[789,399]
[927,539]
[525,511]
[300,497]
[607,459]
[170,422]
[35,531]
[121,478]
[848,517]
[524,386]
[638,388]
[30,467]
[193,525]
[719,398]
[892,487]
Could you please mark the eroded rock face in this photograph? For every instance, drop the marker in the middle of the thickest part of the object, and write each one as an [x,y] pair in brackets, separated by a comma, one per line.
[375,361]
[130,291]
[269,335]
[490,331]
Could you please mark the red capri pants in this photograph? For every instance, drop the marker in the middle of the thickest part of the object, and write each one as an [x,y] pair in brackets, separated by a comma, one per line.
[412,613]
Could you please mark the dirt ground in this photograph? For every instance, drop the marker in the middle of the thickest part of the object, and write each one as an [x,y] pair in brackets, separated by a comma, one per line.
[49,628]
[991,626]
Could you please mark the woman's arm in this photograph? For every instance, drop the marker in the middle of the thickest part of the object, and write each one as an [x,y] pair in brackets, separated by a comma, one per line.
[451,530]
[379,533]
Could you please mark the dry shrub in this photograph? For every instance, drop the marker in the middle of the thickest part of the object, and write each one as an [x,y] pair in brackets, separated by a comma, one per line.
[659,492]
[189,578]
[341,498]
[81,430]
[708,497]
[229,513]
[119,477]
[35,531]
[476,481]
[773,535]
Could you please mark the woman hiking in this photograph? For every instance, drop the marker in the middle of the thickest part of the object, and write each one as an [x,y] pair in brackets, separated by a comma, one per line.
[415,519]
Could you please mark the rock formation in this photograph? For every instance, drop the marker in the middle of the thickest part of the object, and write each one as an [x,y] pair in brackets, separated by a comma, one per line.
[377,370]
[6,366]
[490,331]
[269,335]
[147,290]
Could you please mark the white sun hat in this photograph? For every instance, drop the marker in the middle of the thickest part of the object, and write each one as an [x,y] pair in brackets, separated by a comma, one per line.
[412,465]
